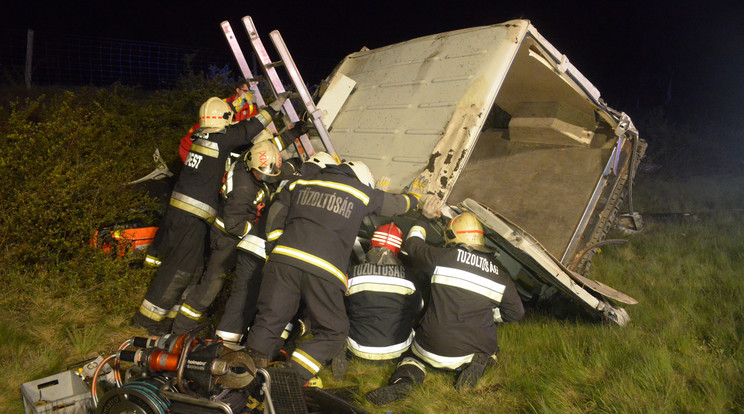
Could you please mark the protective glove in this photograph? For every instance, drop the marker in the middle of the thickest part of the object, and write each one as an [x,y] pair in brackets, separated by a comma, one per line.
[430,206]
[298,129]
[276,106]
[418,187]
[383,183]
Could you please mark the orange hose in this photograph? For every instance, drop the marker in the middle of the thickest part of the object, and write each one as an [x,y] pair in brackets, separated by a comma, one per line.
[117,373]
[94,385]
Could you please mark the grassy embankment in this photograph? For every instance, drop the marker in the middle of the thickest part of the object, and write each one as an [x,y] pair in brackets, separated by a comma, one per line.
[66,156]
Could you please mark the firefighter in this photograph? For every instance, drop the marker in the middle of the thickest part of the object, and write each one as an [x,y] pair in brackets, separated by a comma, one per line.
[241,103]
[193,206]
[246,191]
[309,259]
[240,308]
[280,204]
[470,292]
[243,106]
[382,303]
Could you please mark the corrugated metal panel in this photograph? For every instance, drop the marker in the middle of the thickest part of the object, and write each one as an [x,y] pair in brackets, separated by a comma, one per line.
[419,105]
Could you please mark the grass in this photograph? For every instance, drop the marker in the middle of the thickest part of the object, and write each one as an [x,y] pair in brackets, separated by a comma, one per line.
[67,155]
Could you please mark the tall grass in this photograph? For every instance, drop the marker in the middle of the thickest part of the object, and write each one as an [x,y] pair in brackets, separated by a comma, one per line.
[66,156]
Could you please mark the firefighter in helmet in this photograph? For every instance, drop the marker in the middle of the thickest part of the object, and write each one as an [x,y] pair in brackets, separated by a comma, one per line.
[241,103]
[193,207]
[383,302]
[236,237]
[243,106]
[309,260]
[233,338]
[470,293]
[240,308]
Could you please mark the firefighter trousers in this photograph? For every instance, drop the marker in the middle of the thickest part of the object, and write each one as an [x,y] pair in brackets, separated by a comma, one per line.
[240,309]
[222,258]
[181,250]
[282,288]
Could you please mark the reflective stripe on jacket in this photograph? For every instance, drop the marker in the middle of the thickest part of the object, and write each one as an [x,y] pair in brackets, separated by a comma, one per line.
[320,218]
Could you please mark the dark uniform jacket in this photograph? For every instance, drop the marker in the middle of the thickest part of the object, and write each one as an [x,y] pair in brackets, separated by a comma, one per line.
[245,199]
[470,291]
[197,189]
[382,305]
[320,219]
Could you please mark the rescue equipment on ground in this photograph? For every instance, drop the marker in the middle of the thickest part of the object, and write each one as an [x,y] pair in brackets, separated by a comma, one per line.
[179,374]
[160,172]
[120,239]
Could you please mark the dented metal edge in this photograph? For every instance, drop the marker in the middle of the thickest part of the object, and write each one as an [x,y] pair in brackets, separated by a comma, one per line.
[453,150]
[519,239]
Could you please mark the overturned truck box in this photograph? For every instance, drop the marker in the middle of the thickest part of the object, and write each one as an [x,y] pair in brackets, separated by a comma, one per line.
[495,120]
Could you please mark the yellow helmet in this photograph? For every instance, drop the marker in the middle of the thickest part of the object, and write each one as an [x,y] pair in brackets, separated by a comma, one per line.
[214,115]
[465,229]
[265,159]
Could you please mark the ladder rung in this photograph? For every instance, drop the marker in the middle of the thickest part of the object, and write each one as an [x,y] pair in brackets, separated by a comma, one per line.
[275,64]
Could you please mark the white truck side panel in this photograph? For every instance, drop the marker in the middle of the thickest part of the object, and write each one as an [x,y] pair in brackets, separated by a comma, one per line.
[419,105]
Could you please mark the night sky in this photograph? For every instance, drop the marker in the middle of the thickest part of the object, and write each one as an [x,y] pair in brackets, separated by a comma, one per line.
[687,56]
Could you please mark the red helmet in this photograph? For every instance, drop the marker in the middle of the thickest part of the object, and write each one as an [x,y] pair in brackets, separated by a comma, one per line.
[389,236]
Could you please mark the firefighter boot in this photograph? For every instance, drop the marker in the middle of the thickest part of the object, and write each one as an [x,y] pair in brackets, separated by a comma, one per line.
[469,376]
[153,327]
[259,359]
[183,324]
[340,364]
[410,371]
[390,393]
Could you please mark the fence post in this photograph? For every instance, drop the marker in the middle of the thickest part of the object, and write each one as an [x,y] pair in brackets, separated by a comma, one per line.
[29,56]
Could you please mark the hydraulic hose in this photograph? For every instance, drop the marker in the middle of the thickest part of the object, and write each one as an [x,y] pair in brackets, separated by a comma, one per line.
[117,372]
[94,381]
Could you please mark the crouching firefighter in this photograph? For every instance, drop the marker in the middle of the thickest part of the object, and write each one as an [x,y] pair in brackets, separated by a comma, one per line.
[470,292]
[383,302]
[308,262]
[236,237]
[193,207]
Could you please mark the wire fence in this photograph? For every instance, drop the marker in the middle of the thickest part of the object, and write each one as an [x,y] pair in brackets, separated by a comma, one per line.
[63,59]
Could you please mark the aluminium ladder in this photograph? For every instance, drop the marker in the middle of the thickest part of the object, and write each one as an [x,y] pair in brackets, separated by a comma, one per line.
[253,83]
[278,87]
[243,65]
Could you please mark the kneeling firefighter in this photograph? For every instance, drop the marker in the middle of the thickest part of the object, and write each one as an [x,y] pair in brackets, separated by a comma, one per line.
[470,292]
[240,308]
[383,302]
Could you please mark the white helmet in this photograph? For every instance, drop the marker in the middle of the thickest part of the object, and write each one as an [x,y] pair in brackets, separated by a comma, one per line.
[362,172]
[322,159]
[214,115]
[264,158]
